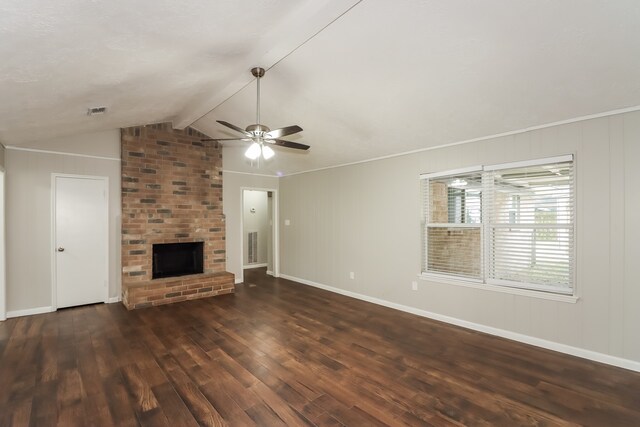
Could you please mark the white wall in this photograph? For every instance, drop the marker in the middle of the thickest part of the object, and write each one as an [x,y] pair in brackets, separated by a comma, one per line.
[232,184]
[258,220]
[365,218]
[29,212]
[99,144]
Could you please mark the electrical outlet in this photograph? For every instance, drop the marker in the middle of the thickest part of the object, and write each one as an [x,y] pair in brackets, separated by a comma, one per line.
[287,222]
[352,275]
[414,286]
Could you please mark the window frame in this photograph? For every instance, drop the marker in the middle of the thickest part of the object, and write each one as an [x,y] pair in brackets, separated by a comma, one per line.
[513,287]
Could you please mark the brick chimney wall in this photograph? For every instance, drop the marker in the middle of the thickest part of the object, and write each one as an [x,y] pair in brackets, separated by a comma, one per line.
[171,192]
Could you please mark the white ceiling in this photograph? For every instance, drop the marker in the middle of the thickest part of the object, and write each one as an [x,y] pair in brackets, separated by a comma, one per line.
[385,77]
[148,61]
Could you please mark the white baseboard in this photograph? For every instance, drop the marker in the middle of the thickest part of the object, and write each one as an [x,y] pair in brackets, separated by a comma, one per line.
[29,312]
[41,310]
[538,342]
[245,267]
[237,281]
[270,273]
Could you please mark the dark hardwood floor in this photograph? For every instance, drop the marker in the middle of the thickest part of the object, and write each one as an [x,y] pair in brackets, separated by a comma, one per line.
[280,353]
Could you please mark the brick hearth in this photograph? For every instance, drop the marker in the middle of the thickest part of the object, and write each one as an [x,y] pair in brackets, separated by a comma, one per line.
[176,289]
[171,192]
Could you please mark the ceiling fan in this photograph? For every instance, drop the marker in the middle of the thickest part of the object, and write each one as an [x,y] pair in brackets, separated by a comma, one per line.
[260,135]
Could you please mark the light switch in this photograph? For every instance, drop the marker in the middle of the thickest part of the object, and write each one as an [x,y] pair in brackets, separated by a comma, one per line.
[287,222]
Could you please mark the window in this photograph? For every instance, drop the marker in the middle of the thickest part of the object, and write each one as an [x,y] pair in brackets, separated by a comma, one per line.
[452,235]
[506,225]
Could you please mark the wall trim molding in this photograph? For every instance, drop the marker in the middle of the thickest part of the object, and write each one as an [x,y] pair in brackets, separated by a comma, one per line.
[526,339]
[112,300]
[237,281]
[249,173]
[482,138]
[60,153]
[29,311]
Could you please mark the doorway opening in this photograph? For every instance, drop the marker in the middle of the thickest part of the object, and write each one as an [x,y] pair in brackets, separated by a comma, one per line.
[259,230]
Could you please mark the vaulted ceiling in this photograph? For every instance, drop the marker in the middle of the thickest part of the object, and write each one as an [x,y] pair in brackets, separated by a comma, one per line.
[363,78]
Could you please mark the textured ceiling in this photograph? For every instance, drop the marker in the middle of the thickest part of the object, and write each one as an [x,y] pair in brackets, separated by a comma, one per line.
[395,76]
[146,60]
[384,77]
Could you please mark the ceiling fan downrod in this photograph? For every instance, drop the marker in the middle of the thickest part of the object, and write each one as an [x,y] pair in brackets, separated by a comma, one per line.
[258,72]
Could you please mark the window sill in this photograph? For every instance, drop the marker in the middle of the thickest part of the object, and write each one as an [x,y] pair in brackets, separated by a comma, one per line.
[504,289]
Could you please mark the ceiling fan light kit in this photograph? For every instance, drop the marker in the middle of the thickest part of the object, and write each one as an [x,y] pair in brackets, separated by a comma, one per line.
[267,152]
[253,152]
[260,135]
[255,149]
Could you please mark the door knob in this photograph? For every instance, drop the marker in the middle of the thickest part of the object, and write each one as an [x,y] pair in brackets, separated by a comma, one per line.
[60,249]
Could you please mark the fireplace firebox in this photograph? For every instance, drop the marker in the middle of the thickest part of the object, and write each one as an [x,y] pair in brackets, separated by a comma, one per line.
[177,259]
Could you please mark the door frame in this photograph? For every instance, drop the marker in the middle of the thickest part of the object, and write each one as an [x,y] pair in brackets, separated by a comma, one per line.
[3,247]
[275,240]
[54,284]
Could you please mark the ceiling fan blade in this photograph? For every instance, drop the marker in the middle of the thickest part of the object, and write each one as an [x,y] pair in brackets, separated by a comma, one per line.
[288,144]
[226,139]
[234,127]
[289,130]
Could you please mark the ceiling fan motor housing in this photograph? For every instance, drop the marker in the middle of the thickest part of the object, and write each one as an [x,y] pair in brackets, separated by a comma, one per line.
[258,129]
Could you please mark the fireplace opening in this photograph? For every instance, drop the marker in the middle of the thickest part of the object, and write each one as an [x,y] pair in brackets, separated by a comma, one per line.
[177,259]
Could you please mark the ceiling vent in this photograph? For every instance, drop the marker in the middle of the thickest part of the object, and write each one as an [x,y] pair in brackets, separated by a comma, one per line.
[94,111]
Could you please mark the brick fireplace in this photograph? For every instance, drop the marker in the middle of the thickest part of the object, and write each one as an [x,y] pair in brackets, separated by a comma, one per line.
[171,193]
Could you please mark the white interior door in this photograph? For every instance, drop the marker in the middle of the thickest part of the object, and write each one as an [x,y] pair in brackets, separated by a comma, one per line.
[81,227]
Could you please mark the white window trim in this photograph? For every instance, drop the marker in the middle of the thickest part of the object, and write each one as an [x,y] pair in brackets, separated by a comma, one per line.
[469,283]
[525,163]
[452,172]
[529,286]
[514,288]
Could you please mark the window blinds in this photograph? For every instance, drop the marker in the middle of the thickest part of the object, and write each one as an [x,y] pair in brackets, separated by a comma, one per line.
[453,218]
[530,226]
[508,225]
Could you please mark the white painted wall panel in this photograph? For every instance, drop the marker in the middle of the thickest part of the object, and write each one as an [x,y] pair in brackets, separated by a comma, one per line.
[594,237]
[91,144]
[617,196]
[365,218]
[631,236]
[29,220]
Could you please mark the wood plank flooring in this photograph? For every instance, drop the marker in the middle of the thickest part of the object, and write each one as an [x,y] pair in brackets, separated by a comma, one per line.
[279,353]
